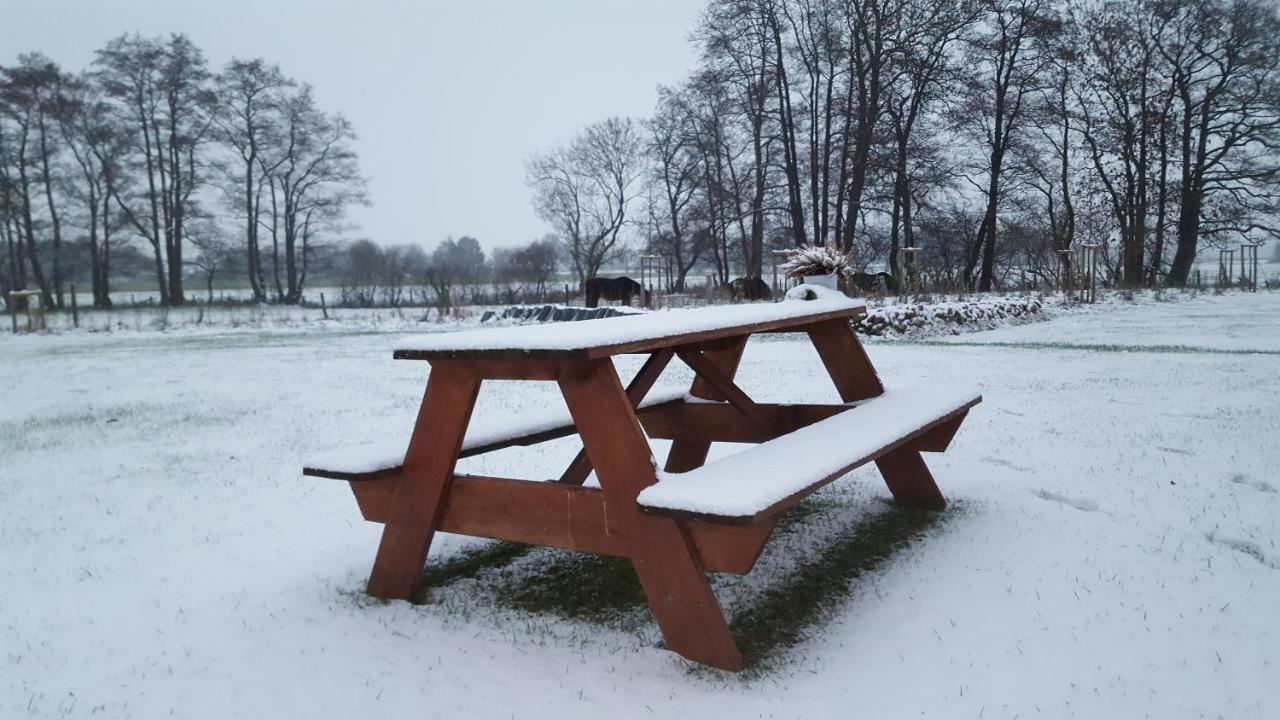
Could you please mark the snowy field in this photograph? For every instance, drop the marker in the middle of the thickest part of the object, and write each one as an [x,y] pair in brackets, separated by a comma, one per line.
[1112,550]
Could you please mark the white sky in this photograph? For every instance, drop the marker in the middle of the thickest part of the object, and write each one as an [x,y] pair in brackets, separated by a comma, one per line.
[449,98]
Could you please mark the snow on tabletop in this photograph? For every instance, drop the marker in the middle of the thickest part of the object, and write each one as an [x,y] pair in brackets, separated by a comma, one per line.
[744,484]
[373,457]
[604,332]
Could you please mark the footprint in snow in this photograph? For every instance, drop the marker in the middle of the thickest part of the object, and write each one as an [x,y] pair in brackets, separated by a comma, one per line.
[1259,485]
[1005,463]
[1081,504]
[1244,547]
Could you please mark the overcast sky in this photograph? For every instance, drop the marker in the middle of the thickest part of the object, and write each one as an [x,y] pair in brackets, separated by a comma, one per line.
[449,98]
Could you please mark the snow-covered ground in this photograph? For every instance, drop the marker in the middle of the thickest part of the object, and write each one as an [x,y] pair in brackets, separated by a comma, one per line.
[1113,548]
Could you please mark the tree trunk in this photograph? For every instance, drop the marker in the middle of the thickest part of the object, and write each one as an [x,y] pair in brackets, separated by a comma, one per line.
[53,215]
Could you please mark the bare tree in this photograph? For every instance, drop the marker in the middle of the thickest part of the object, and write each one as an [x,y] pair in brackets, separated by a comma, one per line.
[928,32]
[312,174]
[246,117]
[162,90]
[28,97]
[99,146]
[1224,58]
[1007,59]
[682,233]
[585,188]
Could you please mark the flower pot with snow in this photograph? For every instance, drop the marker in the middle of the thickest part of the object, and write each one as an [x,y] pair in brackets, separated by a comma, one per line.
[826,281]
[820,266]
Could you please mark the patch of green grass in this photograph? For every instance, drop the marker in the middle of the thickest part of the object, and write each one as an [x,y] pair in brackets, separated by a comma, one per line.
[605,590]
[599,589]
[784,615]
[466,564]
[577,586]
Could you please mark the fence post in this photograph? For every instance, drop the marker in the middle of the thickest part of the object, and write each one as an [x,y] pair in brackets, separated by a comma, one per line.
[324,310]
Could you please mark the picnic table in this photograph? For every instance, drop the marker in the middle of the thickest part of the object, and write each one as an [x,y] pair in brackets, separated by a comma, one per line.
[674,524]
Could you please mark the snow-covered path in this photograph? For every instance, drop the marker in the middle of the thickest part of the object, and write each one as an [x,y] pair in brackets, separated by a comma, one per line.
[1113,550]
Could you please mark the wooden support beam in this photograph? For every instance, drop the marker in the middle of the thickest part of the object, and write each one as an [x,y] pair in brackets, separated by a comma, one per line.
[724,385]
[721,422]
[938,439]
[551,514]
[640,385]
[661,549]
[845,359]
[909,480]
[687,454]
[428,468]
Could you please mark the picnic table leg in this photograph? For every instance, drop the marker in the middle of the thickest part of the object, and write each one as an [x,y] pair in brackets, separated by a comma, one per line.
[687,454]
[428,466]
[845,359]
[641,384]
[855,378]
[660,548]
[909,480]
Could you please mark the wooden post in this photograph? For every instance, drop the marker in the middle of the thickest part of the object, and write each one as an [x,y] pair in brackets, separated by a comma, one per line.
[687,454]
[1065,270]
[324,310]
[661,549]
[428,469]
[75,309]
[13,314]
[1089,267]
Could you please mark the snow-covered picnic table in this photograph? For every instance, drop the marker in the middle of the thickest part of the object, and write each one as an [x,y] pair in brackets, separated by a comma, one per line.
[674,524]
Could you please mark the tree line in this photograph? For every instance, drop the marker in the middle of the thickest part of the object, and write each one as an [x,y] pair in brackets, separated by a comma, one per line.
[456,272]
[205,169]
[992,134]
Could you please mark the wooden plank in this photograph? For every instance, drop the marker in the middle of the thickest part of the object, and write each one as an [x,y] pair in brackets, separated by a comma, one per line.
[939,438]
[907,477]
[433,451]
[554,515]
[549,514]
[845,359]
[730,549]
[644,345]
[516,368]
[519,441]
[909,480]
[640,385]
[708,371]
[661,549]
[689,453]
[716,422]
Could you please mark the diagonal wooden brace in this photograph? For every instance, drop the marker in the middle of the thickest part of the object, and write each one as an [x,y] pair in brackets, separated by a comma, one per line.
[640,385]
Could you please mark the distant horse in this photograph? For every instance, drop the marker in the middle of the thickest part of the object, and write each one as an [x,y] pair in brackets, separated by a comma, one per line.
[881,282]
[749,288]
[614,289]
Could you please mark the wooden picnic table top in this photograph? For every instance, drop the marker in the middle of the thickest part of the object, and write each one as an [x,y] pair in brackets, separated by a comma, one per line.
[604,337]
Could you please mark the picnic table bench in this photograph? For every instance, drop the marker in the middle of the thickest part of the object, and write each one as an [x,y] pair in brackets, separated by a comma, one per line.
[674,524]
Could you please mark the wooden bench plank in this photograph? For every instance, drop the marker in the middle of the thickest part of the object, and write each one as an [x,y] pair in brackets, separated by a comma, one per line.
[374,460]
[553,514]
[762,481]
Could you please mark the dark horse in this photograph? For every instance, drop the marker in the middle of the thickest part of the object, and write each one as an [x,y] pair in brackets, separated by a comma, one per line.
[619,288]
[749,288]
[881,282]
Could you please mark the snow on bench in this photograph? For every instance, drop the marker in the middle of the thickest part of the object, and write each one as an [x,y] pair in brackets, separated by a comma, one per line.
[761,479]
[385,458]
[626,332]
